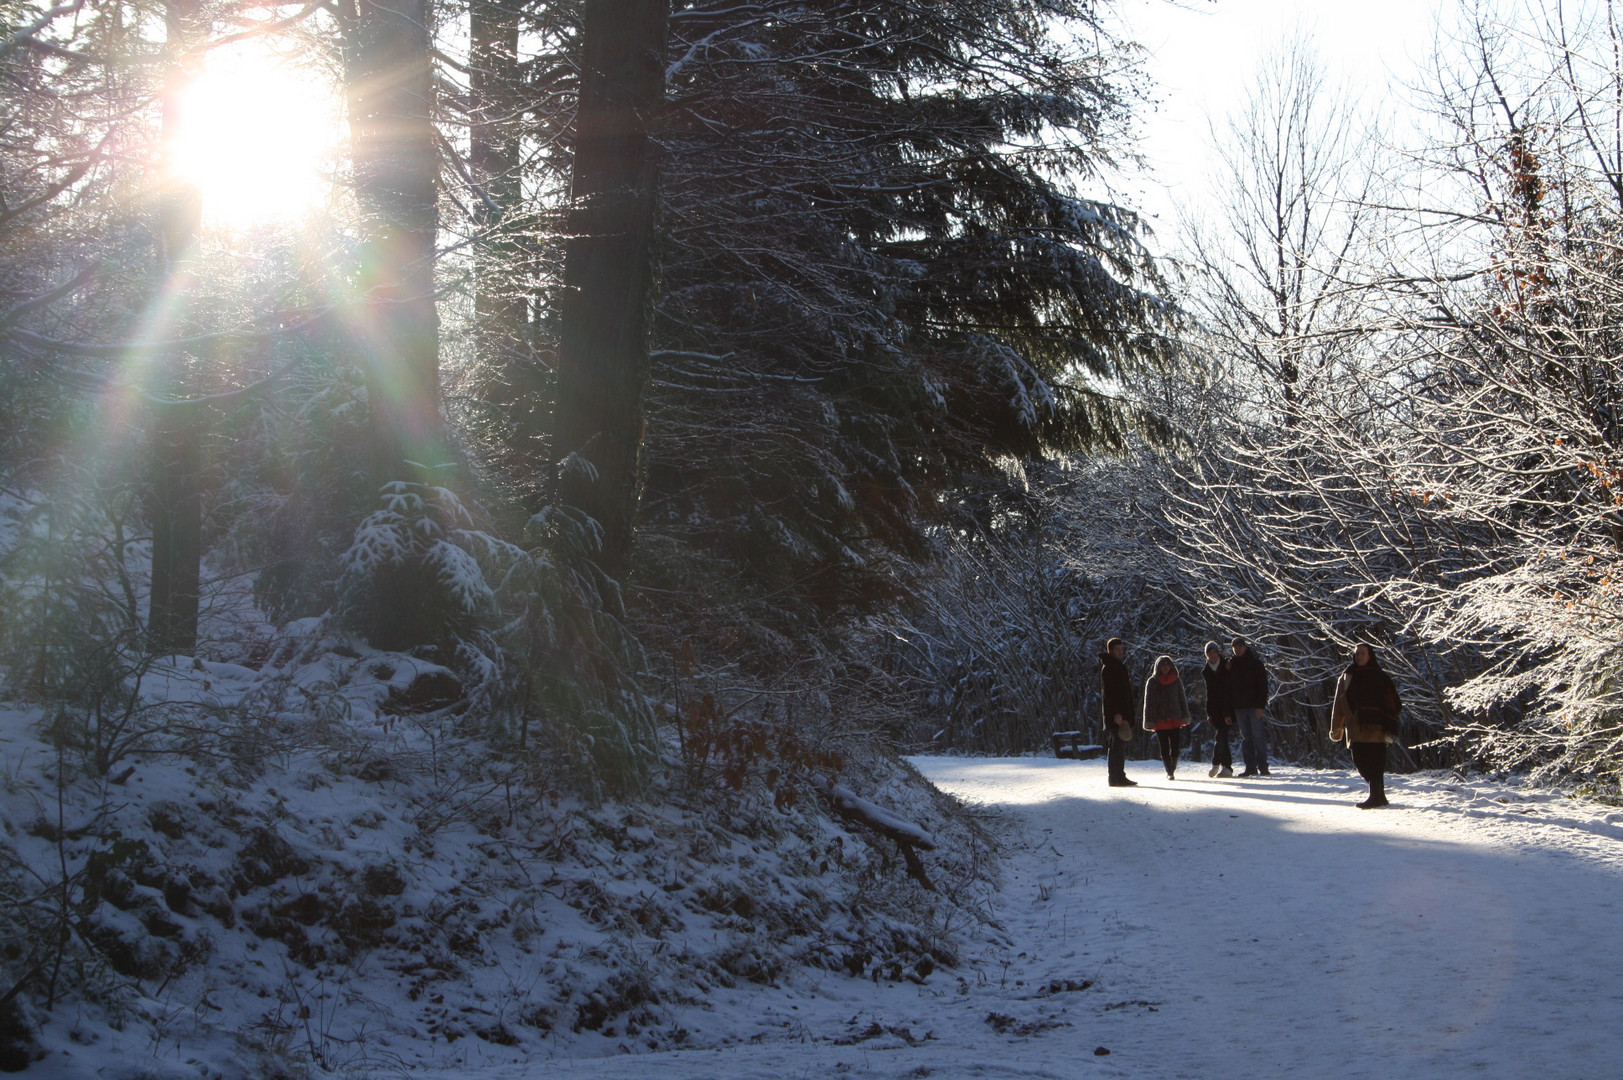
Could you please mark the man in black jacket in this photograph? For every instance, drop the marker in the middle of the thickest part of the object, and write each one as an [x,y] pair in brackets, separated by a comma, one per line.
[1116,705]
[1219,713]
[1248,697]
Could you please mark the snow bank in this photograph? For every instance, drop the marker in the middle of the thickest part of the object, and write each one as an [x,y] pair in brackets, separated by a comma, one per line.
[1229,929]
[325,874]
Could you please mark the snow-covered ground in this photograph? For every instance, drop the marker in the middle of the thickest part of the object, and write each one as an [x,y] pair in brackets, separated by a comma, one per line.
[1237,928]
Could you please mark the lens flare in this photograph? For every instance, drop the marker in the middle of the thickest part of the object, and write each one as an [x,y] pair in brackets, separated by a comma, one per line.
[258,137]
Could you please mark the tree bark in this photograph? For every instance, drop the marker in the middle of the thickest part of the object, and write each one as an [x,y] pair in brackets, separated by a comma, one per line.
[493,159]
[603,364]
[177,530]
[394,327]
[514,381]
[177,459]
[390,90]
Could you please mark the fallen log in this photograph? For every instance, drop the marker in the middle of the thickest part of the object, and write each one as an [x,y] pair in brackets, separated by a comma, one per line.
[909,837]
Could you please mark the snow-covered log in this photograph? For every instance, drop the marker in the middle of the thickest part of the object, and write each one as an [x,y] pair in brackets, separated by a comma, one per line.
[908,835]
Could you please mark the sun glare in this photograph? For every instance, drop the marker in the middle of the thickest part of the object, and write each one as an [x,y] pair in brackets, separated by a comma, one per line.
[258,138]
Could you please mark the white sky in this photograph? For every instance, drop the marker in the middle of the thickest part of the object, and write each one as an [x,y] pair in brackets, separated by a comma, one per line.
[1202,53]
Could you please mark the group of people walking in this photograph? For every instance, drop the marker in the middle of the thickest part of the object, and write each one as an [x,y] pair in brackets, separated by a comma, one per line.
[1365,712]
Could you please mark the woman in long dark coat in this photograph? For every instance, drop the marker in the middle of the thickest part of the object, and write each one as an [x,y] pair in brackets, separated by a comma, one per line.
[1366,713]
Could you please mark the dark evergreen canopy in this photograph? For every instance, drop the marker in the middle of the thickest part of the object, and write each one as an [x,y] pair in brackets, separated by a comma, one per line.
[880,281]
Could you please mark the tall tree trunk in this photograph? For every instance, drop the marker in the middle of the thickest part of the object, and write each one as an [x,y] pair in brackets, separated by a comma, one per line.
[602,366]
[177,529]
[395,330]
[390,89]
[493,158]
[513,378]
[177,501]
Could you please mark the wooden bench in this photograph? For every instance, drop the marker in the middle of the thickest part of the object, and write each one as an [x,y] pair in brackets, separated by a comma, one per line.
[1070,744]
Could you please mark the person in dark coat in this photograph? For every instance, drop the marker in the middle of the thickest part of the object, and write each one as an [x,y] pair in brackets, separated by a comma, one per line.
[1365,713]
[1116,705]
[1166,711]
[1248,696]
[1219,713]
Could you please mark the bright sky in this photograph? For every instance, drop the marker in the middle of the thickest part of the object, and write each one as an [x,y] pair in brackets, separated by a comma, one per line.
[1202,54]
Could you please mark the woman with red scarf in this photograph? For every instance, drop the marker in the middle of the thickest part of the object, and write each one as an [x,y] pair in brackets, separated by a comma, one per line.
[1366,714]
[1166,710]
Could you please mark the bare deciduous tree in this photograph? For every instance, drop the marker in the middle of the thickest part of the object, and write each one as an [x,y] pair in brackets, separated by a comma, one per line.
[1278,274]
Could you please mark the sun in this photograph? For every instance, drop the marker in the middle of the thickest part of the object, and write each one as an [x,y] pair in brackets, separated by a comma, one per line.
[258,137]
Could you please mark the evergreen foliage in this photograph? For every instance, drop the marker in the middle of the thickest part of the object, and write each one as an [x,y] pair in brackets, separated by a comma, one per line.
[879,284]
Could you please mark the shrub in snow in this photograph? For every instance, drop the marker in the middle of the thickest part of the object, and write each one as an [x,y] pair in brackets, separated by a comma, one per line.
[555,674]
[71,593]
[540,653]
[411,569]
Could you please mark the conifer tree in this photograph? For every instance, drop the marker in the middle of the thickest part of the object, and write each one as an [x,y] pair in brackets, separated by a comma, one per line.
[880,285]
[602,360]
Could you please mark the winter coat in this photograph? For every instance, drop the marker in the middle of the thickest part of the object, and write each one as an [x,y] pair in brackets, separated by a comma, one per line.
[1165,706]
[1248,681]
[1363,696]
[1117,689]
[1219,712]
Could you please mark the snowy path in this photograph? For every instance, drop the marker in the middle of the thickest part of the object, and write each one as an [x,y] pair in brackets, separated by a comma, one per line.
[1255,928]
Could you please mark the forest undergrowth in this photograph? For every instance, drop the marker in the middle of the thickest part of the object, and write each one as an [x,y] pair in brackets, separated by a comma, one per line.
[332,870]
